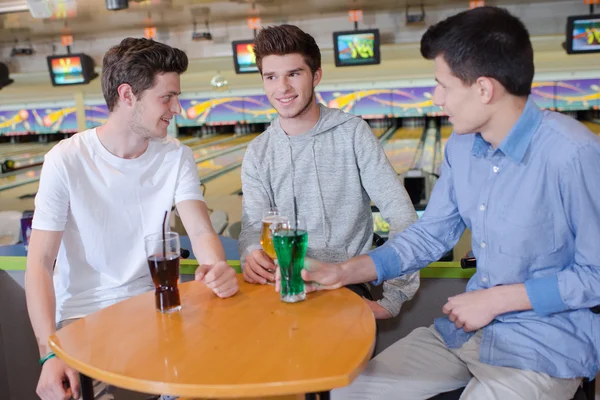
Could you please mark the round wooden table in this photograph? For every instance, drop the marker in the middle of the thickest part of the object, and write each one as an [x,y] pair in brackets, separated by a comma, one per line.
[249,345]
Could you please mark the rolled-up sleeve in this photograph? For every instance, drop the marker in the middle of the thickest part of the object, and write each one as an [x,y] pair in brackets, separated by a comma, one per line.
[577,285]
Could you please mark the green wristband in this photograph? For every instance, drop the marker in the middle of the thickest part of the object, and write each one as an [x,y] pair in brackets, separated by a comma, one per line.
[47,357]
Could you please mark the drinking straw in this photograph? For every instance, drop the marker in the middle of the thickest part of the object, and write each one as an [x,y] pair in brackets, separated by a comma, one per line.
[164,234]
[293,242]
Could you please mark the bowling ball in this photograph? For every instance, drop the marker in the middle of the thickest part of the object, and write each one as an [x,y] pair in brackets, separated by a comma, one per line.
[9,165]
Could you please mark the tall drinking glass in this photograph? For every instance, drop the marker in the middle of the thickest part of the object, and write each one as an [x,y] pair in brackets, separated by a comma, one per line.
[290,240]
[271,218]
[163,261]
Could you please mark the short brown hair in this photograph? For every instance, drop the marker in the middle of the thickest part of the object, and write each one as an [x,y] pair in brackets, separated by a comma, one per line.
[136,62]
[286,39]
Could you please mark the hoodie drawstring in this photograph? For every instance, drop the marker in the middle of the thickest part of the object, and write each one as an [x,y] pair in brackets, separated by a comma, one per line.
[325,227]
[293,176]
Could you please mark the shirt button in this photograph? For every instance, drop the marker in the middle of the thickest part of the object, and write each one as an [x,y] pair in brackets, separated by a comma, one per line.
[482,244]
[484,279]
[482,207]
[496,169]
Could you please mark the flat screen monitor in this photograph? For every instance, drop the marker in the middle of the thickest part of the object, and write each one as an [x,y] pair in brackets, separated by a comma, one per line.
[360,47]
[71,69]
[583,34]
[243,57]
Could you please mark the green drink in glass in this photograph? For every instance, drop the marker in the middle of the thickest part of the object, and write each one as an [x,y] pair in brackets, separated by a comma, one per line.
[290,240]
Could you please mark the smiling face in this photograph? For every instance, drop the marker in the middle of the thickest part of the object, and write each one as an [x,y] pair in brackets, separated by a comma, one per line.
[462,103]
[289,84]
[155,108]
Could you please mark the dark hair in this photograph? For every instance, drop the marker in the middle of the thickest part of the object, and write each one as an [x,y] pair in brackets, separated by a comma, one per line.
[485,41]
[136,62]
[286,39]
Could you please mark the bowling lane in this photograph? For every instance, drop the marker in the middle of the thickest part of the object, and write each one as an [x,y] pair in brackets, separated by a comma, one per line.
[225,184]
[446,131]
[379,131]
[196,142]
[400,148]
[220,163]
[12,151]
[35,155]
[592,126]
[209,168]
[27,184]
[208,150]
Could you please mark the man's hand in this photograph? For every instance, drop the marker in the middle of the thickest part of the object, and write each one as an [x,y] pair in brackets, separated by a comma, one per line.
[472,310]
[58,381]
[259,268]
[378,311]
[319,275]
[219,277]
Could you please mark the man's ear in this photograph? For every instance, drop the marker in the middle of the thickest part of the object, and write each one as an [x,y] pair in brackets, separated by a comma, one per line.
[486,88]
[126,95]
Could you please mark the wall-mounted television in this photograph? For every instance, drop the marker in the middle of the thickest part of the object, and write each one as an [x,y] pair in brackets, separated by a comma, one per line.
[360,47]
[583,34]
[243,57]
[71,69]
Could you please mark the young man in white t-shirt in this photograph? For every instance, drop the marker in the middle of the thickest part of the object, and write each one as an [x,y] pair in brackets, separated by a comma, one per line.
[102,191]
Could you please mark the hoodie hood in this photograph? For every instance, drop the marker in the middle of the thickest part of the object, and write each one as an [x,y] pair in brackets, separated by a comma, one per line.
[329,118]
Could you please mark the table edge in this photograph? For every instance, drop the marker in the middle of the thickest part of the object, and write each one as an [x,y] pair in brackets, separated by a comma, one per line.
[216,390]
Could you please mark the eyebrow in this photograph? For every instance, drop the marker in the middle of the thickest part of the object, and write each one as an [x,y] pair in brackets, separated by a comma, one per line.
[172,93]
[287,72]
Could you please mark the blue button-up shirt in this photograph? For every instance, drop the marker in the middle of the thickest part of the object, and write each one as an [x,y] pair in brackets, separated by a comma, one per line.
[533,207]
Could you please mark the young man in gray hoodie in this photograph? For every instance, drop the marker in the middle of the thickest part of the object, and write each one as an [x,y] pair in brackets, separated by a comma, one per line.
[327,160]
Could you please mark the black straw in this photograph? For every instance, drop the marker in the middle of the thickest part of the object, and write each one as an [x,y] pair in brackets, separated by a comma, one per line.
[164,234]
[295,216]
[293,243]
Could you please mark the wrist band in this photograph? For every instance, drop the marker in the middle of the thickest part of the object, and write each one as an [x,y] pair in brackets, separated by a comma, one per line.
[47,357]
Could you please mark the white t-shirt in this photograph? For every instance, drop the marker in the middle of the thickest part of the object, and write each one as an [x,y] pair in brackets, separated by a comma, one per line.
[106,205]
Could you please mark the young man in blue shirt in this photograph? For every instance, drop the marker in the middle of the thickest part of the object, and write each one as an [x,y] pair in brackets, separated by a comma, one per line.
[524,181]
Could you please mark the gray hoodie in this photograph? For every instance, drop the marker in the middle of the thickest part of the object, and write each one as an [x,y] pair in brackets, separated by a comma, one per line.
[334,171]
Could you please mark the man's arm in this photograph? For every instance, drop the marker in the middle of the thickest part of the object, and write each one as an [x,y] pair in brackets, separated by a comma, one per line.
[205,242]
[49,221]
[381,182]
[39,290]
[578,284]
[256,264]
[575,286]
[385,189]
[213,269]
[425,241]
[416,247]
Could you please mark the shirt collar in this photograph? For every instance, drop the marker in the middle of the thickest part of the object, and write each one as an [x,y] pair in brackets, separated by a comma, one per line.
[517,141]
